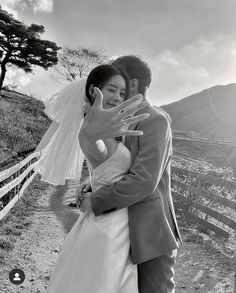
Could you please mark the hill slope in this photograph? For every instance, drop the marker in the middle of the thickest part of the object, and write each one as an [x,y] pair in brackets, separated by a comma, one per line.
[22,124]
[211,112]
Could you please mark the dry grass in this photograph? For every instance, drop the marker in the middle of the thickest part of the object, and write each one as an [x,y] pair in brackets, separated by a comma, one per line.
[22,124]
[17,219]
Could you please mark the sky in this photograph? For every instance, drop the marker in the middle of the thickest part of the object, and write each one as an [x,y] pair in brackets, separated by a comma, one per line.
[189,45]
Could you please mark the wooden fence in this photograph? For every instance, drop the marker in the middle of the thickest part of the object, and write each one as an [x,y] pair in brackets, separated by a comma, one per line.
[207,200]
[14,181]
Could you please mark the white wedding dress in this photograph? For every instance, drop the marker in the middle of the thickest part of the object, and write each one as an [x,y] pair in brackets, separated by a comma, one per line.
[95,254]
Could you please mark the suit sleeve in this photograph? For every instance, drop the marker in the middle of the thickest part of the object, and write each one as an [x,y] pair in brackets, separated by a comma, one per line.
[145,173]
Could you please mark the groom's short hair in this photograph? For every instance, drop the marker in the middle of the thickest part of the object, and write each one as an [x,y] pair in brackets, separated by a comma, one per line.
[136,68]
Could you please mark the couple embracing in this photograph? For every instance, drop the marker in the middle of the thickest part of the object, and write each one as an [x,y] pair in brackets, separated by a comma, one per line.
[126,238]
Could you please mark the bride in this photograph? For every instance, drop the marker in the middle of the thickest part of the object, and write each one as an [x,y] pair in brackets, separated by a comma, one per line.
[95,254]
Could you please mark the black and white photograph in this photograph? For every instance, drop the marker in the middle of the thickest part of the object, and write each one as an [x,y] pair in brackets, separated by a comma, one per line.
[117,146]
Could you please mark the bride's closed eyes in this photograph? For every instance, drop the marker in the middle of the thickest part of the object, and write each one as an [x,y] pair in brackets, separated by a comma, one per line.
[113,89]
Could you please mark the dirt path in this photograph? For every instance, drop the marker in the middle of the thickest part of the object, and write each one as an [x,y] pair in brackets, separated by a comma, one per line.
[36,249]
[199,268]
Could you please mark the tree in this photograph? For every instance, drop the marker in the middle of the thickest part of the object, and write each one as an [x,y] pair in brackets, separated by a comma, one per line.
[22,47]
[77,62]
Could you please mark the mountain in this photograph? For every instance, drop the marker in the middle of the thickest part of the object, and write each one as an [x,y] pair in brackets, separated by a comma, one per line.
[211,112]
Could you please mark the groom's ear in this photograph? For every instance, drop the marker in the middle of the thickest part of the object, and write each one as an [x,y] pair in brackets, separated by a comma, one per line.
[134,85]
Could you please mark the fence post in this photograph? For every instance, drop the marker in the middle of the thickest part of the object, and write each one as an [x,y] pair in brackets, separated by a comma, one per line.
[17,175]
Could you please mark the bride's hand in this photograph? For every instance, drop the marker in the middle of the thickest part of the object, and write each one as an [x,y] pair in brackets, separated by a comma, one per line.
[80,192]
[86,205]
[102,123]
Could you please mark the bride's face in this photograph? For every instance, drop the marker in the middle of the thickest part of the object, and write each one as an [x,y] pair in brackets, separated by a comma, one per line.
[114,92]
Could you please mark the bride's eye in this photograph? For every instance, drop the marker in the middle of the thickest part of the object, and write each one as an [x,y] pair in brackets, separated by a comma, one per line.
[123,95]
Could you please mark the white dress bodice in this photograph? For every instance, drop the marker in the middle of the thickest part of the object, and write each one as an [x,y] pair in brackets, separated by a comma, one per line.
[113,169]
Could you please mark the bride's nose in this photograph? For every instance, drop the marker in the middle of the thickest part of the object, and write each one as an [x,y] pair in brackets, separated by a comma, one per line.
[117,97]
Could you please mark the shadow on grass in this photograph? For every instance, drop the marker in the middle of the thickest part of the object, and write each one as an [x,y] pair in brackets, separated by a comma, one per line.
[60,205]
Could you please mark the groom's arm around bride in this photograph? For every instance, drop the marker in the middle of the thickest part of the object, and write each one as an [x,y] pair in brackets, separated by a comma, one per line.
[146,192]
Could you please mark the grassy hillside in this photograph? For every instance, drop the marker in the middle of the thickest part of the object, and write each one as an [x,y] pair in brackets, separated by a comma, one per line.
[222,157]
[211,113]
[22,125]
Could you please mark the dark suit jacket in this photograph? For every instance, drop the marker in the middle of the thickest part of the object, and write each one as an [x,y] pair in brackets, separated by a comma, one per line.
[145,190]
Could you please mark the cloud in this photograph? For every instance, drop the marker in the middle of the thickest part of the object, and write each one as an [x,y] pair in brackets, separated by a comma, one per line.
[11,6]
[184,41]
[45,6]
[192,68]
[16,6]
[37,88]
[17,77]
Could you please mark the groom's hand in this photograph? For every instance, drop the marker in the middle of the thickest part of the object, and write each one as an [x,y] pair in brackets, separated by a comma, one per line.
[102,123]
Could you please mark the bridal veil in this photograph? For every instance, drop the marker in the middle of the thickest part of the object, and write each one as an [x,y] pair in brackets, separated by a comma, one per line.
[61,156]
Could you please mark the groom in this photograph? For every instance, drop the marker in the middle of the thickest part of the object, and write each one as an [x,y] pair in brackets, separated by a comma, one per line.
[145,190]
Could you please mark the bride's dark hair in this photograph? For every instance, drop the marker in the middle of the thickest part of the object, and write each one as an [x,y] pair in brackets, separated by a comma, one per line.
[101,74]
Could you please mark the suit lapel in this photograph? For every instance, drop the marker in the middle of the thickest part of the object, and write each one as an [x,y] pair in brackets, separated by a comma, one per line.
[128,137]
[134,126]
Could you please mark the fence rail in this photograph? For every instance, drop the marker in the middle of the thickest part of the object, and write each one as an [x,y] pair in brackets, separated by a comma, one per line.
[207,200]
[14,181]
[193,136]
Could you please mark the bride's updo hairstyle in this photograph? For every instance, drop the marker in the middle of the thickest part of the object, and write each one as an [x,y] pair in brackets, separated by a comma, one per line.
[100,75]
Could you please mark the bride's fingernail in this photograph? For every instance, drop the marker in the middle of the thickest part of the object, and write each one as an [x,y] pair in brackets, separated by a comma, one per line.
[137,98]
